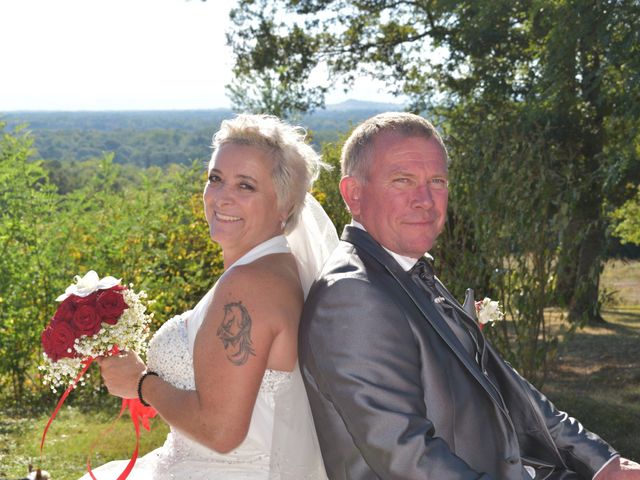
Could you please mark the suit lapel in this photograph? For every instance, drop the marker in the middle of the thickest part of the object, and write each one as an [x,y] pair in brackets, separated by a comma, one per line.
[472,323]
[364,241]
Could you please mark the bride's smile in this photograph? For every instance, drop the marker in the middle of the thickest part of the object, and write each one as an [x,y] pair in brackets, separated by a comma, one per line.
[226,218]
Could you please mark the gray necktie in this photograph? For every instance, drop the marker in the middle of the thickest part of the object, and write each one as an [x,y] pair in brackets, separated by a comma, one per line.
[422,274]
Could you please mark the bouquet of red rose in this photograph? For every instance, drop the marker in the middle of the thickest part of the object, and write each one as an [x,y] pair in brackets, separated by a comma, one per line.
[96,317]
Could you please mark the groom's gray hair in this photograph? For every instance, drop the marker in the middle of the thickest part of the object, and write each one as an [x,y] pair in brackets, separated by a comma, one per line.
[296,164]
[357,151]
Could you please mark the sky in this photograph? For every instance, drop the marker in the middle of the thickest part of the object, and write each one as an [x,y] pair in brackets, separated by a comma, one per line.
[121,55]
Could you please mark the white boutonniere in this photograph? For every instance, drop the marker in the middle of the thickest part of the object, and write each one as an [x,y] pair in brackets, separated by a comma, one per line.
[488,311]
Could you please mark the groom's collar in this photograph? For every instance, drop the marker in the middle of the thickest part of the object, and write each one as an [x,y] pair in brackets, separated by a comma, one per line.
[406,263]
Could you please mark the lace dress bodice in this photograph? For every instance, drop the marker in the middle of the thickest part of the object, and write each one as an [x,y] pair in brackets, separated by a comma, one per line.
[170,356]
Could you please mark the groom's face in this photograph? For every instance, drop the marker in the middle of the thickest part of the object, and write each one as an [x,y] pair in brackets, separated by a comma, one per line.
[403,201]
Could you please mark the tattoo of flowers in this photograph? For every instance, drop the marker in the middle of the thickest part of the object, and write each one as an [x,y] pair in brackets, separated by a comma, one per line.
[235,333]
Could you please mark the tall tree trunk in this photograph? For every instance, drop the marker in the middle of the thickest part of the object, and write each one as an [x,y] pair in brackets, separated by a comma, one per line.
[584,306]
[567,268]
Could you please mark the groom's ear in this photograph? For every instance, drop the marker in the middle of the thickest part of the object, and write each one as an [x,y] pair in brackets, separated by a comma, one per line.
[351,191]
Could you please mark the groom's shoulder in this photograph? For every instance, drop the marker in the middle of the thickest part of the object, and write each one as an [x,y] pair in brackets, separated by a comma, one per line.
[352,281]
[344,262]
[348,268]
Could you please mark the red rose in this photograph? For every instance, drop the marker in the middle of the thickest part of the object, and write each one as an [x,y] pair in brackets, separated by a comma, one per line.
[89,300]
[86,320]
[66,310]
[57,339]
[110,305]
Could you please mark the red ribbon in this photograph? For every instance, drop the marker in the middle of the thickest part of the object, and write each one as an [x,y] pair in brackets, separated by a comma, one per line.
[139,415]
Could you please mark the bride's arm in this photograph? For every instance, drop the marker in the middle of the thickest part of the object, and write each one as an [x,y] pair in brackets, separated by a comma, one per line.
[233,347]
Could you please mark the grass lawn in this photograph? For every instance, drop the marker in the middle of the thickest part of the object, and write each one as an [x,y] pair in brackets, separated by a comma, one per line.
[622,279]
[596,379]
[69,441]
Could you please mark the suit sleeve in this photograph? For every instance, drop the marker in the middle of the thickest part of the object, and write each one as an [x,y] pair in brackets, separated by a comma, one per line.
[583,451]
[364,359]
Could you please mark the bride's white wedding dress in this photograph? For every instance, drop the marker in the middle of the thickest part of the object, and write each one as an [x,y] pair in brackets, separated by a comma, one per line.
[281,442]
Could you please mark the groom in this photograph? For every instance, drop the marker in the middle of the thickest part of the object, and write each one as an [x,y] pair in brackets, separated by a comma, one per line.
[401,381]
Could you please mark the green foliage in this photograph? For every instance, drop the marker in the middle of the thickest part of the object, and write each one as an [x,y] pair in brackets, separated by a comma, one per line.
[627,219]
[139,138]
[326,189]
[27,260]
[502,234]
[151,233]
[140,148]
[263,83]
[145,227]
[70,141]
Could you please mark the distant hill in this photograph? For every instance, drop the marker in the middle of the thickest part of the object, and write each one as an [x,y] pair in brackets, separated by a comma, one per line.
[364,105]
[116,120]
[146,138]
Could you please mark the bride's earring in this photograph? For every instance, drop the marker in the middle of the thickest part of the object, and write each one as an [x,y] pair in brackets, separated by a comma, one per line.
[282,224]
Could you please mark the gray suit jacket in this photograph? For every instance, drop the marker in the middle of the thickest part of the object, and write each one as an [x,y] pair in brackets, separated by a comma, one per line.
[395,396]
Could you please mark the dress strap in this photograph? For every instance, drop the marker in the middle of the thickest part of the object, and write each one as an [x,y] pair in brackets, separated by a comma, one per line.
[276,244]
[273,245]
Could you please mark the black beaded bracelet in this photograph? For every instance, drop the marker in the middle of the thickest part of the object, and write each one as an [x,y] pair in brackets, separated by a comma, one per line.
[142,377]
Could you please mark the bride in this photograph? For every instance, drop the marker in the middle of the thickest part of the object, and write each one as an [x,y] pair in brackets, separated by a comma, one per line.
[224,375]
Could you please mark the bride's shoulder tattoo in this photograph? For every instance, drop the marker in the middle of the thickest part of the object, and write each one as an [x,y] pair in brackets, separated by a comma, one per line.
[235,333]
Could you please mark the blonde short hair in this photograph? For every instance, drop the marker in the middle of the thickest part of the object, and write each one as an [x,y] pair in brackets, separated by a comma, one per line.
[296,164]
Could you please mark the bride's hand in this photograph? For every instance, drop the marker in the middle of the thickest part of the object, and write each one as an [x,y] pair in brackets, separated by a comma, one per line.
[121,373]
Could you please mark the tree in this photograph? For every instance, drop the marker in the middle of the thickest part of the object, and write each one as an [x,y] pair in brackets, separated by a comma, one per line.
[572,65]
[260,85]
[501,235]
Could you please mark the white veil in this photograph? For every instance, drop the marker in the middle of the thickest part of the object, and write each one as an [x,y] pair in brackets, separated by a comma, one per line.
[312,241]
[295,452]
